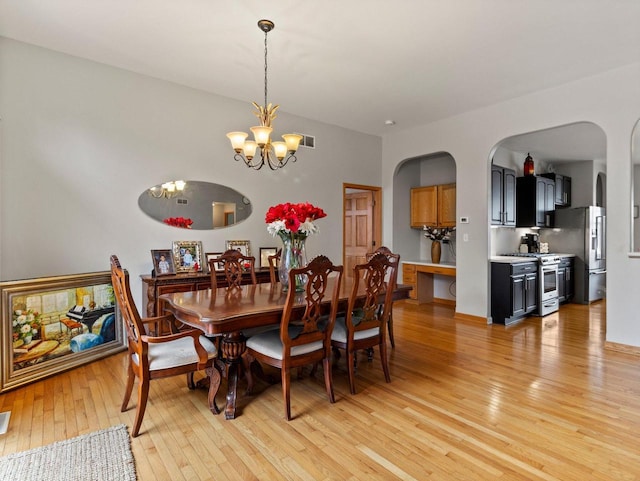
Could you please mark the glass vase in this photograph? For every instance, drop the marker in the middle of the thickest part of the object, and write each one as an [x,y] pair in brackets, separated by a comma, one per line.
[293,256]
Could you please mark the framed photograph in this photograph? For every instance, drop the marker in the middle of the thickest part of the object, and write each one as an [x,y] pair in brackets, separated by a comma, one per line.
[163,262]
[265,252]
[53,324]
[214,255]
[187,256]
[239,245]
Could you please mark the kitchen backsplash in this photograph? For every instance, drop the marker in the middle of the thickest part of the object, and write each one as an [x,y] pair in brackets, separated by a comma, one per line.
[507,240]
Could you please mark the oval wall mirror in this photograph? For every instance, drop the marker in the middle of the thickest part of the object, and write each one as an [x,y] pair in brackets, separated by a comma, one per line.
[194,204]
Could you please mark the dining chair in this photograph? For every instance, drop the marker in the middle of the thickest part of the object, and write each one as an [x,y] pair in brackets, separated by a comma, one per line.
[234,265]
[394,258]
[274,261]
[304,336]
[152,357]
[363,325]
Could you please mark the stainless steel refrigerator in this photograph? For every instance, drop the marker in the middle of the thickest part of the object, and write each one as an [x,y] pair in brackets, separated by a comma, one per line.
[582,231]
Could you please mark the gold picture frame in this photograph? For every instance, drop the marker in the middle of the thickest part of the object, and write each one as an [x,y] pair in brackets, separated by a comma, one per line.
[53,324]
[240,245]
[187,256]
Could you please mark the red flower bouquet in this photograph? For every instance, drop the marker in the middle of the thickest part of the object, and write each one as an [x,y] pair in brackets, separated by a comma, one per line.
[183,222]
[293,218]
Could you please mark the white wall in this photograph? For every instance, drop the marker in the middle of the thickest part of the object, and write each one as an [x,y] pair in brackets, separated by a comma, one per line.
[79,142]
[610,100]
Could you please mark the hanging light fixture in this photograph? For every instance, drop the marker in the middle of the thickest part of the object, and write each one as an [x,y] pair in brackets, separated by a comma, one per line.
[168,189]
[275,154]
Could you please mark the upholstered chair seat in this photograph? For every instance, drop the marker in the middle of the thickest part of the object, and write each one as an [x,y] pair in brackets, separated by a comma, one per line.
[180,352]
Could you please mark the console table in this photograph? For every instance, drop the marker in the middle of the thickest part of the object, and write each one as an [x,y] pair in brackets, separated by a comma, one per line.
[154,287]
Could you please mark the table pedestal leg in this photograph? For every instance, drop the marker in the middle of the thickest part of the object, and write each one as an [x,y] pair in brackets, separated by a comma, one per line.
[233,345]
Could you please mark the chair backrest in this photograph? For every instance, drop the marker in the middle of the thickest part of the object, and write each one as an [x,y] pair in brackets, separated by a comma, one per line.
[395,258]
[311,325]
[234,264]
[274,262]
[128,310]
[377,277]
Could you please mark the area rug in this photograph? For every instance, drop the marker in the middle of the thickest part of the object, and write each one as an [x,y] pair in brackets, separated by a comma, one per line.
[99,456]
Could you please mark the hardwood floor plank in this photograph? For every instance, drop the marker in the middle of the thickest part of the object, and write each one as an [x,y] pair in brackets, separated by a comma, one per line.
[539,400]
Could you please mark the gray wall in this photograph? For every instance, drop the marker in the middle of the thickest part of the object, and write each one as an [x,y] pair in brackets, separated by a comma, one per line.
[611,100]
[80,141]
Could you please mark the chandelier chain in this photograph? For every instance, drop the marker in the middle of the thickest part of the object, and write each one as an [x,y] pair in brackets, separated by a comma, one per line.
[265,69]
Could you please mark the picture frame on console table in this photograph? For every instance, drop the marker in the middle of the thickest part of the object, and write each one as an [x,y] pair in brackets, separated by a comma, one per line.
[239,245]
[214,255]
[52,324]
[265,253]
[163,264]
[187,256]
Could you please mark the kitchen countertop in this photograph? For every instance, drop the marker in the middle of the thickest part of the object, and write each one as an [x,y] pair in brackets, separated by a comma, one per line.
[422,262]
[516,259]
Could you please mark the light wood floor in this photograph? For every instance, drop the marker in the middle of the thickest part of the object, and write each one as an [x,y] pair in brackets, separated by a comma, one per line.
[541,400]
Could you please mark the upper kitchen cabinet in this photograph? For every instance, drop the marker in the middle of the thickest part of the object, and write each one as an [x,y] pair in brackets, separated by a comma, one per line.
[433,206]
[563,189]
[503,196]
[535,201]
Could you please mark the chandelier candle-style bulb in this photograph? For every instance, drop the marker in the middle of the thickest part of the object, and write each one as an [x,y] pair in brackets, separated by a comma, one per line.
[280,149]
[237,140]
[274,154]
[261,134]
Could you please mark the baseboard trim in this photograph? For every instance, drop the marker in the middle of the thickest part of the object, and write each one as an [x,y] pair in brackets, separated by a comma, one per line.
[625,348]
[468,317]
[445,302]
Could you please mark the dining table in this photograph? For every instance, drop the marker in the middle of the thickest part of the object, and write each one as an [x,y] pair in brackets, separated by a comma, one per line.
[226,312]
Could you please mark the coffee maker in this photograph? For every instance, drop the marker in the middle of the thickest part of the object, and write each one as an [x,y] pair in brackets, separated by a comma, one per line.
[533,242]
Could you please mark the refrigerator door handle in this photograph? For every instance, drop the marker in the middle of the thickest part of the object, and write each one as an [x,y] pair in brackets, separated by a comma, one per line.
[597,273]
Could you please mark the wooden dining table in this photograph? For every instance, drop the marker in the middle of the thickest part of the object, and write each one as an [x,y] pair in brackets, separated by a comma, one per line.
[226,312]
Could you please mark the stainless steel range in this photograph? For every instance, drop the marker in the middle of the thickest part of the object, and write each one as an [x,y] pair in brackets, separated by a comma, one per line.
[547,281]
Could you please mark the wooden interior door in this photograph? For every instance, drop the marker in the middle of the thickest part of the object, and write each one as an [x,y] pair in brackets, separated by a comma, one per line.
[358,229]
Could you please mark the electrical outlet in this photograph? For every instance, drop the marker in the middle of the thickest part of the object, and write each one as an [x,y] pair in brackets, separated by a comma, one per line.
[464,220]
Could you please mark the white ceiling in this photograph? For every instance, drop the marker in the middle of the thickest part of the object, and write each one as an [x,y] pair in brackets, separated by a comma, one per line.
[353,63]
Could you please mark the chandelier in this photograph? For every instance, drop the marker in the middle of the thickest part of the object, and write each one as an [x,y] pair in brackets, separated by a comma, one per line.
[275,154]
[168,189]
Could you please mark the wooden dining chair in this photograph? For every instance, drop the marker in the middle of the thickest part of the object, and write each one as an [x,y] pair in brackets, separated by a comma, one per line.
[274,261]
[363,325]
[394,258]
[234,265]
[153,357]
[304,338]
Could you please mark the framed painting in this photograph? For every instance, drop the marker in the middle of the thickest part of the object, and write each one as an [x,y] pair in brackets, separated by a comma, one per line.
[214,255]
[54,324]
[265,253]
[239,245]
[163,262]
[187,256]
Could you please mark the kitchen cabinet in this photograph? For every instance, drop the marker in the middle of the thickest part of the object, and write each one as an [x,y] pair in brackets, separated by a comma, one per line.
[535,201]
[503,196]
[433,206]
[514,291]
[409,277]
[562,189]
[420,276]
[565,279]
